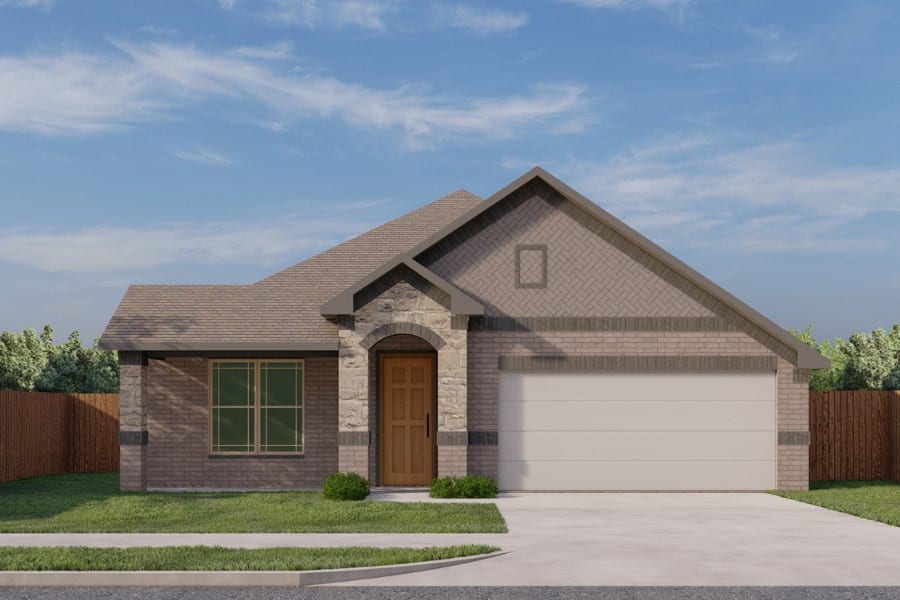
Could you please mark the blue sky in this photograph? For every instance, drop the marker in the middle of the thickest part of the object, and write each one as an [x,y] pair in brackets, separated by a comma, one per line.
[220,140]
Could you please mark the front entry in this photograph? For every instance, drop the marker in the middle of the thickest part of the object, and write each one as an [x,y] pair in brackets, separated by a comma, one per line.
[407,419]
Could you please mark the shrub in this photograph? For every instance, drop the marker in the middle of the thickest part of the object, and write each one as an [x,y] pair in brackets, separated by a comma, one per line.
[470,486]
[345,486]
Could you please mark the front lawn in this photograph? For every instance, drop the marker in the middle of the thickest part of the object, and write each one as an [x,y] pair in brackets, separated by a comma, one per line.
[92,503]
[216,558]
[875,500]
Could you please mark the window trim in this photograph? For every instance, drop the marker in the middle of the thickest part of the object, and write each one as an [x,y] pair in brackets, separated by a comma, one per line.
[531,285]
[256,407]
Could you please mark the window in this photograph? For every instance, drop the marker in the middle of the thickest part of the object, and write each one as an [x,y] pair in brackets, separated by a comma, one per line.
[256,406]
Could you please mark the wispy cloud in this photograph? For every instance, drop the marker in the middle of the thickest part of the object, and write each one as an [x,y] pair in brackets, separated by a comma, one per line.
[707,192]
[480,21]
[631,4]
[203,157]
[274,51]
[156,30]
[364,14]
[76,93]
[767,45]
[134,250]
[40,4]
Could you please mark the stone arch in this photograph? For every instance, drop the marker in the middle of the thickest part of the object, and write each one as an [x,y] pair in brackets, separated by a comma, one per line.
[383,331]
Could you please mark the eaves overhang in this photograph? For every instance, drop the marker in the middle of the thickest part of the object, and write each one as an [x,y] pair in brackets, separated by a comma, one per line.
[216,346]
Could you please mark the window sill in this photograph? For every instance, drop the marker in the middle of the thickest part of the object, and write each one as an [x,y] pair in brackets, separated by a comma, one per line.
[256,456]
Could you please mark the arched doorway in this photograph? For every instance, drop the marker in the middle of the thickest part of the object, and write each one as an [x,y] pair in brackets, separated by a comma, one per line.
[404,369]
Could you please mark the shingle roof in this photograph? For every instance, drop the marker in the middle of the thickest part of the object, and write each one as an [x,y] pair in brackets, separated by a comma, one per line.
[280,312]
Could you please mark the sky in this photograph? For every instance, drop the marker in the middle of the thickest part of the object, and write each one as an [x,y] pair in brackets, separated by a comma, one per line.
[218,141]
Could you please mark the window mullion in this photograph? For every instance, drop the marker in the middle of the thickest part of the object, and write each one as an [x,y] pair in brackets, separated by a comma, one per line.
[256,403]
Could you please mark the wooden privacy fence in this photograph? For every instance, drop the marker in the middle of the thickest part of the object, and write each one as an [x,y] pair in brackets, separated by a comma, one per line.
[854,435]
[43,433]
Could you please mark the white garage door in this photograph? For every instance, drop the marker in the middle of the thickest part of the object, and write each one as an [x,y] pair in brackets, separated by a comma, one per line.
[636,431]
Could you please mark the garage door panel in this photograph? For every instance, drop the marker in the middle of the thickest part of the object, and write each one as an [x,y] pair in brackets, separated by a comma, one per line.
[670,387]
[562,415]
[636,431]
[636,475]
[637,445]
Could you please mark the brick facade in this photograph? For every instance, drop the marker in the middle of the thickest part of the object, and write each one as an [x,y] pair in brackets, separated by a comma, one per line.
[178,453]
[591,271]
[485,348]
[583,291]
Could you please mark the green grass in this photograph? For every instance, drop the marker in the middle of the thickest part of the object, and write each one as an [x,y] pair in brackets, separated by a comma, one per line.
[875,500]
[92,503]
[216,558]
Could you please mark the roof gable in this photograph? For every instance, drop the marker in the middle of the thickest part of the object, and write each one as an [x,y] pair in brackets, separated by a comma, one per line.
[806,357]
[460,302]
[578,266]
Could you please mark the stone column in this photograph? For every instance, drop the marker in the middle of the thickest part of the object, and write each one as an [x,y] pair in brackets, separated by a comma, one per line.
[452,397]
[133,435]
[353,402]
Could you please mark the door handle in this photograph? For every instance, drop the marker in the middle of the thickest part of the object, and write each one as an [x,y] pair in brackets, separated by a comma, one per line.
[427,424]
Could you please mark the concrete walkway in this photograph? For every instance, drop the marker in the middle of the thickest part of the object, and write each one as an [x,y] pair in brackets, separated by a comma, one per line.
[616,539]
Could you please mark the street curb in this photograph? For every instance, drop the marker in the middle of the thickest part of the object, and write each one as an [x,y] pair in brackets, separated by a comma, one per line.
[221,578]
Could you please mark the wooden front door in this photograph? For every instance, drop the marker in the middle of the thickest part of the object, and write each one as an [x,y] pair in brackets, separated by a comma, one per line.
[407,420]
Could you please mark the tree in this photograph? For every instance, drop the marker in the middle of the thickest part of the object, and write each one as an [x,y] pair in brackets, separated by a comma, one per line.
[864,362]
[832,377]
[23,357]
[870,359]
[73,368]
[29,362]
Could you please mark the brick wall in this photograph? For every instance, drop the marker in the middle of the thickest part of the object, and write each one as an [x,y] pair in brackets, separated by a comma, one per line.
[486,346]
[177,455]
[590,269]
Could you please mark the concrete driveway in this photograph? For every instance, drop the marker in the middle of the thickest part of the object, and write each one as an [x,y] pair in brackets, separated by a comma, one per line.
[675,540]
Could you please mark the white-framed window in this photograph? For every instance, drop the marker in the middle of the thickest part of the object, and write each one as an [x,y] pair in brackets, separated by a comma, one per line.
[256,406]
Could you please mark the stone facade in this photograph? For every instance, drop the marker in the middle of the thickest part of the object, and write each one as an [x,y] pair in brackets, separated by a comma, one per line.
[400,303]
[132,420]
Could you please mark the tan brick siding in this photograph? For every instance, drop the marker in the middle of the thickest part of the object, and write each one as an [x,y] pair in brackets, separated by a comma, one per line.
[586,273]
[452,460]
[178,422]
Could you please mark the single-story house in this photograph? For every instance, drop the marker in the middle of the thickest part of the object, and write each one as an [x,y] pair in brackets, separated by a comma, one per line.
[531,336]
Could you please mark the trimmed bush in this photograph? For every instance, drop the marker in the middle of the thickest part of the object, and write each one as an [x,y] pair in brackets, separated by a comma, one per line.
[470,486]
[345,486]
